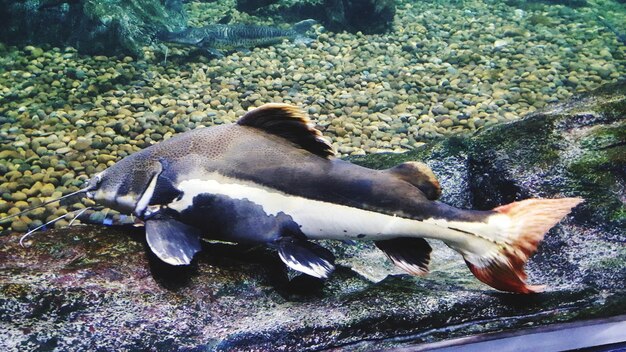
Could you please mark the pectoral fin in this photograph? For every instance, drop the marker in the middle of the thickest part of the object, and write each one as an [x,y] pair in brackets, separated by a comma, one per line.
[306,257]
[214,53]
[172,241]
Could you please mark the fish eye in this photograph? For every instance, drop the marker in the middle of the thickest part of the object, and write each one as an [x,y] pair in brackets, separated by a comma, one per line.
[93,182]
[97,179]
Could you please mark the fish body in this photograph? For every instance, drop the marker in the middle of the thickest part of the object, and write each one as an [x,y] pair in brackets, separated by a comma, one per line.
[272,179]
[218,37]
[272,183]
[621,37]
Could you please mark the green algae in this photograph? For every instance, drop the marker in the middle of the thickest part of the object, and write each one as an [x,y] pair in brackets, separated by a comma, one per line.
[15,290]
[536,137]
[600,172]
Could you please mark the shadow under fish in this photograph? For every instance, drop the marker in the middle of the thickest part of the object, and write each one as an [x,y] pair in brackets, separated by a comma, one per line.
[217,38]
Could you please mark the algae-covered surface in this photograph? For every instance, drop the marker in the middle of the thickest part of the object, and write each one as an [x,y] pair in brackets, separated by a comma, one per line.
[88,287]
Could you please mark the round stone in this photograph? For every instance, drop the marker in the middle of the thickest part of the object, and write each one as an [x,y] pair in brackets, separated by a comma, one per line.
[446,123]
[47,190]
[17,196]
[19,225]
[440,110]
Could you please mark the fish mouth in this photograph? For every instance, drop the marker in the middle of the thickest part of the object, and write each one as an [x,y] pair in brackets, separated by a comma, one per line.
[90,191]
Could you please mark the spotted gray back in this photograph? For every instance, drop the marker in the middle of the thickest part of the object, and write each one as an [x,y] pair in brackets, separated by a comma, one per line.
[253,155]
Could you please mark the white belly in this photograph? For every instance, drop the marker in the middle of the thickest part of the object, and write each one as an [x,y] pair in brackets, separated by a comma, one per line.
[317,219]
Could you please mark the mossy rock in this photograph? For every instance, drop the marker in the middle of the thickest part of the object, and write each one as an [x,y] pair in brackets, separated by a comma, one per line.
[366,16]
[108,27]
[601,170]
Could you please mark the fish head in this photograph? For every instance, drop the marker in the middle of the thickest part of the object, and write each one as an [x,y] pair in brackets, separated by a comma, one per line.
[126,186]
[192,36]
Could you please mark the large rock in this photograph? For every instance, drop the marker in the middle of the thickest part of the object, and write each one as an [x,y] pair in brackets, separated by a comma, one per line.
[253,5]
[366,16]
[92,26]
[88,288]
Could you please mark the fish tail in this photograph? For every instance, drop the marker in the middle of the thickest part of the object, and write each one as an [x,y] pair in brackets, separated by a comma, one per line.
[497,256]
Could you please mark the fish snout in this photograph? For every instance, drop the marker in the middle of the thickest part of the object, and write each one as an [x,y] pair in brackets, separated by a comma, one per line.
[108,191]
[92,185]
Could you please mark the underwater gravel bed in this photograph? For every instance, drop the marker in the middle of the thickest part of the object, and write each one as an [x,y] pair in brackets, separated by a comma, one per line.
[447,68]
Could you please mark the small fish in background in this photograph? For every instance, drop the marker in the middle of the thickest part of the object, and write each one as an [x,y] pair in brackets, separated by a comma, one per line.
[271,178]
[217,38]
[621,37]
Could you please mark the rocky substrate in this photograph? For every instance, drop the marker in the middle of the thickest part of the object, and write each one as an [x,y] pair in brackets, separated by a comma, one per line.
[444,70]
[96,288]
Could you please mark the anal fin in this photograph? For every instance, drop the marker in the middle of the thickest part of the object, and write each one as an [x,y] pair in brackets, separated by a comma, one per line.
[306,257]
[172,241]
[409,254]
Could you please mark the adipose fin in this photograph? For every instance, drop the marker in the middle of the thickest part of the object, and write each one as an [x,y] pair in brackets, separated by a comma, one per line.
[419,175]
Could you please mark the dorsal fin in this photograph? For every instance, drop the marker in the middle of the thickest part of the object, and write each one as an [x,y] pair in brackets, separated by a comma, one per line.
[419,175]
[288,122]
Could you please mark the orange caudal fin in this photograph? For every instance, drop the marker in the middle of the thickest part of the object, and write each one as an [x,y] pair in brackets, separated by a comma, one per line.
[522,226]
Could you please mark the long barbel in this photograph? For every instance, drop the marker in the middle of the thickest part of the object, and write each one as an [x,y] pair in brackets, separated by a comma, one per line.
[83,190]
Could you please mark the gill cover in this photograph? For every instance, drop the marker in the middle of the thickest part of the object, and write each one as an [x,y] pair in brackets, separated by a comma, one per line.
[122,186]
